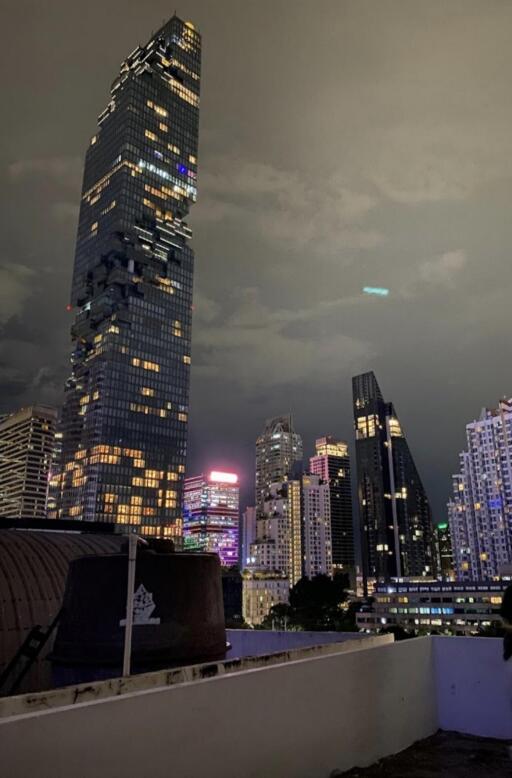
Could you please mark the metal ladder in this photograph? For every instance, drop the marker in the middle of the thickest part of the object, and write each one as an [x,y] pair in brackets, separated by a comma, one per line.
[13,674]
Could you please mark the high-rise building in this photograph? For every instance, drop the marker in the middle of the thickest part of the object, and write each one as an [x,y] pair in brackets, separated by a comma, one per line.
[444,551]
[395,517]
[332,464]
[278,448]
[316,527]
[211,515]
[278,544]
[480,511]
[26,448]
[124,419]
[248,536]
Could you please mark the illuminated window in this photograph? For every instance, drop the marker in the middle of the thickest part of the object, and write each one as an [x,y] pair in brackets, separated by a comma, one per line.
[145,364]
[163,127]
[150,135]
[187,359]
[394,428]
[192,159]
[147,392]
[108,208]
[94,227]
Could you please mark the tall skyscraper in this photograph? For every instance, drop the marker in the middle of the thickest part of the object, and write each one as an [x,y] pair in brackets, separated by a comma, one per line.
[332,464]
[278,544]
[316,527]
[480,511]
[124,419]
[278,448]
[395,517]
[27,440]
[211,515]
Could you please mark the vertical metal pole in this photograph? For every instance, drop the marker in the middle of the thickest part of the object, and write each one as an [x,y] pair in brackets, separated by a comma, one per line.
[132,557]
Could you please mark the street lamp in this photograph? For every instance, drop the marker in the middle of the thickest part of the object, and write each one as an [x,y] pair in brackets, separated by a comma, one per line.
[133,540]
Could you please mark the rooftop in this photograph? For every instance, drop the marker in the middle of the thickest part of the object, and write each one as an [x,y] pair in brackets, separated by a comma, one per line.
[306,713]
[447,754]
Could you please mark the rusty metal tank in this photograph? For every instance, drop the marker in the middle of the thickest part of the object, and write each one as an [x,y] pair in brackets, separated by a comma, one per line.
[178,614]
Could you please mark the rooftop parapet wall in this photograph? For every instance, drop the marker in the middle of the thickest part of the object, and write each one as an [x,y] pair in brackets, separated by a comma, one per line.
[299,718]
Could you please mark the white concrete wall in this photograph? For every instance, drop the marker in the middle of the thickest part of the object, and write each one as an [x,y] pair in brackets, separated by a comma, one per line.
[473,685]
[299,719]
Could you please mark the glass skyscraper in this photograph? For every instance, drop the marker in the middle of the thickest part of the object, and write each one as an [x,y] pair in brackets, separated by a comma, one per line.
[394,512]
[211,513]
[124,419]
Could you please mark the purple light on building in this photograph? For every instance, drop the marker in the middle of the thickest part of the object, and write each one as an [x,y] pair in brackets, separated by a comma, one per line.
[211,515]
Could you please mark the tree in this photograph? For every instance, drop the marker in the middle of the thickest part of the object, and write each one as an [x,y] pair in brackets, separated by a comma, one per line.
[493,630]
[399,632]
[279,617]
[315,604]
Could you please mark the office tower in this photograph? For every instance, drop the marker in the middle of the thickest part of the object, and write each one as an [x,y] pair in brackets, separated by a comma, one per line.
[26,449]
[211,515]
[480,511]
[332,464]
[124,419]
[278,544]
[316,527]
[395,518]
[277,449]
[444,551]
[248,536]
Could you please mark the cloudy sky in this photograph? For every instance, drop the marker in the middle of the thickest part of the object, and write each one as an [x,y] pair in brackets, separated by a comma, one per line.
[343,143]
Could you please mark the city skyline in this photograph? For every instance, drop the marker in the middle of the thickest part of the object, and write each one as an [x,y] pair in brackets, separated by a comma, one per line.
[428,226]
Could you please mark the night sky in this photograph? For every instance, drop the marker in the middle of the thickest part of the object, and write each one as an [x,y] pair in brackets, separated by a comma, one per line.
[343,144]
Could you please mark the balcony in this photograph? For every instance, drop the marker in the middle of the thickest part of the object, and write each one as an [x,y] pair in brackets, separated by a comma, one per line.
[317,711]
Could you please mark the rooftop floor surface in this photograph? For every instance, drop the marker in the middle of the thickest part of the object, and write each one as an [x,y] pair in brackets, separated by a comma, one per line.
[447,754]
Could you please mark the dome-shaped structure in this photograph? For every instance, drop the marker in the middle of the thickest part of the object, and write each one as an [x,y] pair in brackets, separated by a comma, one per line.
[33,570]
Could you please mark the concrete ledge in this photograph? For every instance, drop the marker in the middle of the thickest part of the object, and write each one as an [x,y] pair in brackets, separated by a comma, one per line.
[294,719]
[114,687]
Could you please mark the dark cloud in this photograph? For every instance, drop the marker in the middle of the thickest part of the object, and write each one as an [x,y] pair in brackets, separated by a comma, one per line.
[342,144]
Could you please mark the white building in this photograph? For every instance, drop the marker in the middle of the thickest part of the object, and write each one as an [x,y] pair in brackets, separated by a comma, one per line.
[316,527]
[27,440]
[480,511]
[278,544]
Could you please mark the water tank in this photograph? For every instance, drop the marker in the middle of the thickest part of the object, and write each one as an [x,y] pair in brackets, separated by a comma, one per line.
[178,614]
